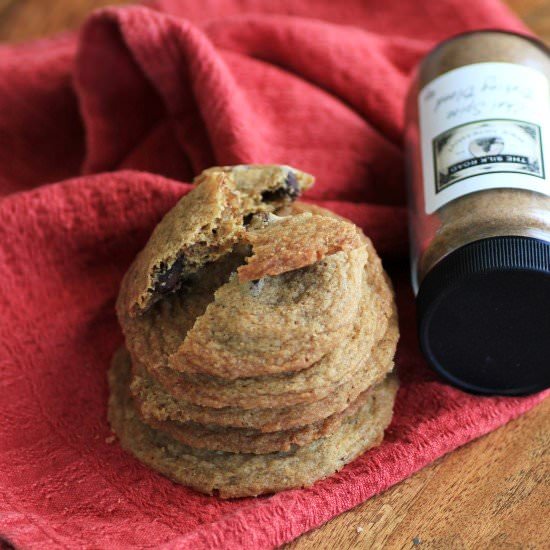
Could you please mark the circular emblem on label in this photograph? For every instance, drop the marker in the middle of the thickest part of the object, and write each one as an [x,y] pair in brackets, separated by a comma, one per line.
[486,146]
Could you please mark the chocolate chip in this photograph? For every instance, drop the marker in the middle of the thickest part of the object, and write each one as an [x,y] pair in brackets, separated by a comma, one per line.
[289,190]
[291,183]
[168,279]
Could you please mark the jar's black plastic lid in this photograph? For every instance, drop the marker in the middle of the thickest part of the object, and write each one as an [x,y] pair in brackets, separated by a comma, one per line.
[484,316]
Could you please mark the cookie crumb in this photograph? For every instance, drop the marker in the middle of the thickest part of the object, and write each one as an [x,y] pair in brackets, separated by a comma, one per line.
[416,541]
[110,439]
[359,529]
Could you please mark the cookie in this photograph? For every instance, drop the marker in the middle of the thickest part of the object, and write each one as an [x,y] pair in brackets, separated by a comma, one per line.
[280,390]
[203,226]
[242,474]
[156,403]
[225,333]
[149,340]
[288,322]
[243,440]
[311,384]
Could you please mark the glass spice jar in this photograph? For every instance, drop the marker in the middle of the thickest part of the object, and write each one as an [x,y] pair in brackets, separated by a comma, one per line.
[478,159]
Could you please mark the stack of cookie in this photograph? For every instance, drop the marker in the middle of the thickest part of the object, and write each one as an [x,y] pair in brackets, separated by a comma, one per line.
[260,336]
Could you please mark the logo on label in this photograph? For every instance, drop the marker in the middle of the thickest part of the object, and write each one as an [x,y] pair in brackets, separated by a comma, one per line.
[487,147]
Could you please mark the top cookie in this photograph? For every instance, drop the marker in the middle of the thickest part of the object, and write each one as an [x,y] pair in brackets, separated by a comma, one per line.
[203,226]
[293,297]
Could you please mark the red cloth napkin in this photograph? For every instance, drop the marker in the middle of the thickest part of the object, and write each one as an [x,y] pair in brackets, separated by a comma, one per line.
[118,117]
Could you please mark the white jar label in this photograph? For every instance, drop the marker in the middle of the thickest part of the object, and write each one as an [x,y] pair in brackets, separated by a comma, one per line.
[484,126]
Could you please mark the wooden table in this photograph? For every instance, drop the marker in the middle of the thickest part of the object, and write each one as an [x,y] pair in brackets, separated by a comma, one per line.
[491,493]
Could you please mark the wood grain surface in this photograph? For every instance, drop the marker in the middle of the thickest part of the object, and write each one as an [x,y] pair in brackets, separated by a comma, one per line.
[491,493]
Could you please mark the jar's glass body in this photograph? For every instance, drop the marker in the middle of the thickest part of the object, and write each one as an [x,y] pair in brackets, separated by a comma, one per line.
[484,213]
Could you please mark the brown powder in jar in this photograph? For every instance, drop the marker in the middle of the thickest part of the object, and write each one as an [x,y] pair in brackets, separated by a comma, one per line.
[492,212]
